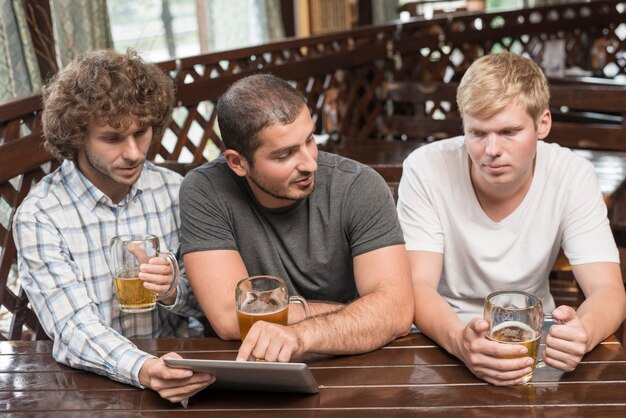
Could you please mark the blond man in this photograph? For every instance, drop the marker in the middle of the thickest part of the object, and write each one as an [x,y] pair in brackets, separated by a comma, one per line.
[490,210]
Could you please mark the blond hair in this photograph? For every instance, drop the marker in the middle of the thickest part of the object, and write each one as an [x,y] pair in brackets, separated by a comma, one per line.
[495,81]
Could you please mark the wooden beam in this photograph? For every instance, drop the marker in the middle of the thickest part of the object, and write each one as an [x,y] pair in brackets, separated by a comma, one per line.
[39,20]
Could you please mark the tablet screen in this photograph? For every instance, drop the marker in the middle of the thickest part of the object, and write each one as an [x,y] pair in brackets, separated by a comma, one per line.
[250,375]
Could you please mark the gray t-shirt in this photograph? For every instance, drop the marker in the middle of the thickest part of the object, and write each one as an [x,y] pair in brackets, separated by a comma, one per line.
[309,244]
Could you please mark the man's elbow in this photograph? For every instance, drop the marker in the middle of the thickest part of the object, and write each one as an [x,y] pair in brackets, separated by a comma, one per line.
[404,319]
[225,330]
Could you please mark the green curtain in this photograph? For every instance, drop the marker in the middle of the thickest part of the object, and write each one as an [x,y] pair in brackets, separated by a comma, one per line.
[235,24]
[384,10]
[19,71]
[80,26]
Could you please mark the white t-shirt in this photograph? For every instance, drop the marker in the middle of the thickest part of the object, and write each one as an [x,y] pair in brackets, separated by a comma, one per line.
[439,212]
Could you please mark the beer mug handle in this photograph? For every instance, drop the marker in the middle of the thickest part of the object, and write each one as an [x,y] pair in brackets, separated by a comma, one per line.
[174,263]
[302,302]
[547,318]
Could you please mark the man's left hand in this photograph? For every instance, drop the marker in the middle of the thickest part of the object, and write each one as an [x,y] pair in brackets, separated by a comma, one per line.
[566,343]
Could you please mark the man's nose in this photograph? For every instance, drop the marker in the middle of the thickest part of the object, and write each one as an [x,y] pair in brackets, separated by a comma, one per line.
[493,146]
[131,149]
[308,161]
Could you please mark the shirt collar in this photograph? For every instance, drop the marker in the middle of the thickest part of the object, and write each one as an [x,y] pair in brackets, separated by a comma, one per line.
[85,191]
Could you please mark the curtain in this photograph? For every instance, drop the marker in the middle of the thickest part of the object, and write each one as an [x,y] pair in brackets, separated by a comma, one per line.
[384,10]
[235,24]
[80,26]
[19,71]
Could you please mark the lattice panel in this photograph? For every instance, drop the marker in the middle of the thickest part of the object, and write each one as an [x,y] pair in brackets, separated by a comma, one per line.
[466,37]
[313,65]
[442,49]
[16,316]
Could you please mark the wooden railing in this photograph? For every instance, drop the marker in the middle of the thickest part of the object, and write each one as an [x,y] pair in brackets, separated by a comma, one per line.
[354,65]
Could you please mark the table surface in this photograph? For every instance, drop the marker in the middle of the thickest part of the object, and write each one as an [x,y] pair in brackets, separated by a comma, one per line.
[411,376]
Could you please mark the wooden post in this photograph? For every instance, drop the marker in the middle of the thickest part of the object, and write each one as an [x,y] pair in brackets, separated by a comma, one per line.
[39,20]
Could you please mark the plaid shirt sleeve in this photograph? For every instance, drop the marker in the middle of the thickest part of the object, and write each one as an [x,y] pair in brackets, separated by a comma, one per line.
[186,303]
[59,295]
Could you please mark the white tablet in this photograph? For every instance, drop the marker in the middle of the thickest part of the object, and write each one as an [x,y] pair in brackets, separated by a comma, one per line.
[251,375]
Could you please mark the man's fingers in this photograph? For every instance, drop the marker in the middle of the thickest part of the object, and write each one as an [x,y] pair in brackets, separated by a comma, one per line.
[575,348]
[558,360]
[567,333]
[502,375]
[155,280]
[260,348]
[284,355]
[272,352]
[564,313]
[138,251]
[178,393]
[478,325]
[248,344]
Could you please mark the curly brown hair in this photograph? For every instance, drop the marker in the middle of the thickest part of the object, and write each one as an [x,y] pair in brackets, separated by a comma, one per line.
[104,87]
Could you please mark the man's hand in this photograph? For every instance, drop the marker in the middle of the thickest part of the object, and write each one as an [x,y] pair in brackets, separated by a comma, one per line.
[158,276]
[486,358]
[171,383]
[567,342]
[270,342]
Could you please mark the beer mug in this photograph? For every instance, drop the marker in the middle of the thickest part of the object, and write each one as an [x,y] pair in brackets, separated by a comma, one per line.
[517,317]
[127,253]
[264,298]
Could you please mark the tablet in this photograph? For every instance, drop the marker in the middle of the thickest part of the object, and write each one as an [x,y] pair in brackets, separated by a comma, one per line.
[250,375]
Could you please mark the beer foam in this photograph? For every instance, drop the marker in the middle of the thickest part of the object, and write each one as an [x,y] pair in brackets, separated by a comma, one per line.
[257,309]
[508,329]
[517,324]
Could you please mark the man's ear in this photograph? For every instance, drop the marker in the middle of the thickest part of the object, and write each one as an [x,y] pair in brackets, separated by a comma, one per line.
[237,162]
[544,125]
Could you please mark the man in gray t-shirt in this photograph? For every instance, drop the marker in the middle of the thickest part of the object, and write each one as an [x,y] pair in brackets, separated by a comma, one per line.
[273,205]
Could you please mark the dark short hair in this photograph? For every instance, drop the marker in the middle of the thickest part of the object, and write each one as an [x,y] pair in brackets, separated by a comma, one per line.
[251,104]
[105,87]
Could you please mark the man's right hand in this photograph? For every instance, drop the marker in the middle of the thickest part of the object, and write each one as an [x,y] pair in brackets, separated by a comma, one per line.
[172,383]
[267,341]
[485,358]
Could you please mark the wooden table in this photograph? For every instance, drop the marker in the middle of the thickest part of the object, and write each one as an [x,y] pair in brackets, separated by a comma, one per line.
[411,376]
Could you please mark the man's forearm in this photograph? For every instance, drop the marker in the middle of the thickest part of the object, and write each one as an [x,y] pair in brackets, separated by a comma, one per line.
[363,325]
[435,318]
[601,314]
[297,314]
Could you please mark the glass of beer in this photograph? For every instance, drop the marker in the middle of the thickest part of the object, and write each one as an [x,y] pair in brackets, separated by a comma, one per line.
[127,253]
[516,317]
[264,298]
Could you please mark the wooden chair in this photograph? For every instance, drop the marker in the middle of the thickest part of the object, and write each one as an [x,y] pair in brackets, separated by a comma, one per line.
[24,162]
[591,116]
[421,111]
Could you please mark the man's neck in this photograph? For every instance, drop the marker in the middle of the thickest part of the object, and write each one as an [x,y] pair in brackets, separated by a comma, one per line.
[499,201]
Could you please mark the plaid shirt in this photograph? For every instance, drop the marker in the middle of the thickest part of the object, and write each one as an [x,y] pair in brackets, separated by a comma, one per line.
[62,232]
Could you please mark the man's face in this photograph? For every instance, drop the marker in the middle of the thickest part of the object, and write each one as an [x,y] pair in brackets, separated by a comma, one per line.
[503,147]
[112,159]
[285,163]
